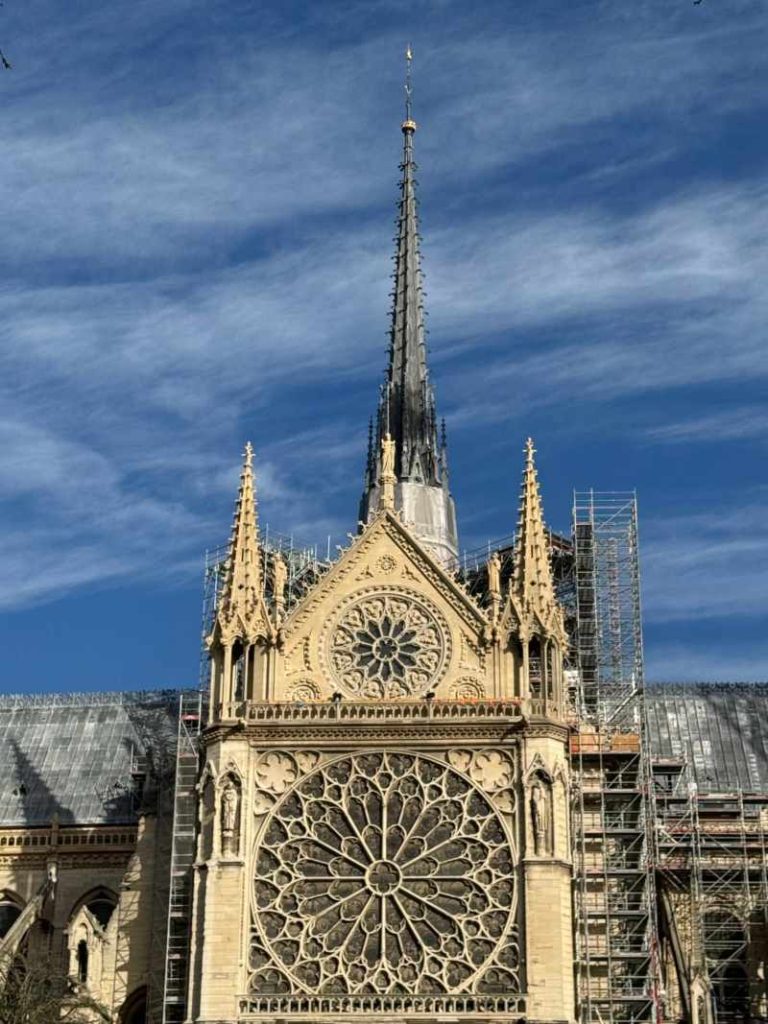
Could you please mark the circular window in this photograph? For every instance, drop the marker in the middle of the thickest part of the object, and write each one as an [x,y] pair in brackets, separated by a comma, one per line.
[388,644]
[384,873]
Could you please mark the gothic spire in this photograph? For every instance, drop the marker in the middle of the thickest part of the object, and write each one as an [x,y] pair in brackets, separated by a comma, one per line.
[408,393]
[532,580]
[407,404]
[241,595]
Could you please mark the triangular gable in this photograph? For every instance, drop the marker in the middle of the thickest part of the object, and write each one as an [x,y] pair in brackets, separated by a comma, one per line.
[419,567]
[385,562]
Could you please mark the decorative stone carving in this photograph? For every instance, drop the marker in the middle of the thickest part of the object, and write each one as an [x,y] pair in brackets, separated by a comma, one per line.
[541,816]
[386,564]
[494,576]
[306,760]
[276,771]
[303,690]
[472,656]
[467,689]
[279,580]
[382,873]
[263,802]
[493,770]
[230,818]
[388,643]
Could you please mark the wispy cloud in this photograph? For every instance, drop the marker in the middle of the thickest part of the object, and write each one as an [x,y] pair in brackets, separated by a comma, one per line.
[707,565]
[197,222]
[728,425]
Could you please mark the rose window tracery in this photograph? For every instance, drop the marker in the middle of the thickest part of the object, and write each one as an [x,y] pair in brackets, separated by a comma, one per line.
[388,645]
[386,873]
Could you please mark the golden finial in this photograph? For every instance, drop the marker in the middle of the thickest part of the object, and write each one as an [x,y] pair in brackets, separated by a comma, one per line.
[248,455]
[530,451]
[409,125]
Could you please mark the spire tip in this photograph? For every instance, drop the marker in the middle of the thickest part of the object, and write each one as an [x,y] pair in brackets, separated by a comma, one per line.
[408,125]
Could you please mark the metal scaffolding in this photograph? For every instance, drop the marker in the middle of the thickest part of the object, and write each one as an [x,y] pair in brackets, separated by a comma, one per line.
[183,849]
[616,936]
[713,870]
[304,564]
[610,635]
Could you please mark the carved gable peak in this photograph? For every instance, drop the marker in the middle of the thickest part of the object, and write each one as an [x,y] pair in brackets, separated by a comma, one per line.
[386,553]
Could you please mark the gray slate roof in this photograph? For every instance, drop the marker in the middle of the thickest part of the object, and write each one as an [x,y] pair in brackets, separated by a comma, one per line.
[71,755]
[721,729]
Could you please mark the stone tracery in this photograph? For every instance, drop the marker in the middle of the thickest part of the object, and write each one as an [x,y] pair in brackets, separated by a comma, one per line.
[388,644]
[385,873]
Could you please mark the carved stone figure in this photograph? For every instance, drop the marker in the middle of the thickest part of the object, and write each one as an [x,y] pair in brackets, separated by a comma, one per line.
[387,457]
[541,818]
[279,578]
[230,802]
[388,478]
[494,576]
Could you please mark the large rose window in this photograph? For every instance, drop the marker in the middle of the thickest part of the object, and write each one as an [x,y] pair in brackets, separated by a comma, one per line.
[386,873]
[388,645]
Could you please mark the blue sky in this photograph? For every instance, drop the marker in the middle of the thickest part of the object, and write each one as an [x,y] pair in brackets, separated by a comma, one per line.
[198,201]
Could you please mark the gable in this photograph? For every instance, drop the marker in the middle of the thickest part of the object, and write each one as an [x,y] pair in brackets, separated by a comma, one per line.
[386,621]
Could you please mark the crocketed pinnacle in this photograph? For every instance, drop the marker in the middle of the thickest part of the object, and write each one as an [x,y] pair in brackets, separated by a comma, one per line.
[532,580]
[241,594]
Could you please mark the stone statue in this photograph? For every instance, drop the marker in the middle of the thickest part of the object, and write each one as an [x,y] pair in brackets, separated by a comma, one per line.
[279,578]
[388,478]
[494,576]
[387,457]
[230,801]
[541,818]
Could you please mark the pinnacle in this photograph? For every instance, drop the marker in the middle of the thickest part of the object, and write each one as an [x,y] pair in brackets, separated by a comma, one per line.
[241,589]
[533,575]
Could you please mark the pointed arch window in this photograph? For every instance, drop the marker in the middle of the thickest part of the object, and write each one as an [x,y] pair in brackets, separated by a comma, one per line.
[535,666]
[134,1009]
[82,962]
[101,902]
[238,670]
[10,911]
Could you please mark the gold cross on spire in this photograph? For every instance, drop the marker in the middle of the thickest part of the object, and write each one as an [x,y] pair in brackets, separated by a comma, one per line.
[408,122]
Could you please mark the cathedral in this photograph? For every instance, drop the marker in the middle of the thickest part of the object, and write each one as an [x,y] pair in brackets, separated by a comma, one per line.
[410,788]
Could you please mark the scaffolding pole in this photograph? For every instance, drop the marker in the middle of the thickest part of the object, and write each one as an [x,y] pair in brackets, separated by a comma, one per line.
[183,848]
[614,891]
[713,871]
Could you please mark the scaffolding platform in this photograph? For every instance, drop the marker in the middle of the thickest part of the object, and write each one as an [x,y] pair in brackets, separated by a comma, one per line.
[614,891]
